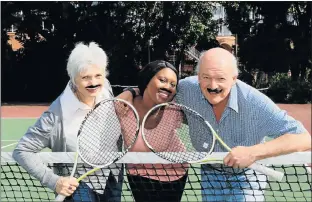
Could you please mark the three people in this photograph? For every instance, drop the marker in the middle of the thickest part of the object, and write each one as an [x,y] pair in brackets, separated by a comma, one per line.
[241,115]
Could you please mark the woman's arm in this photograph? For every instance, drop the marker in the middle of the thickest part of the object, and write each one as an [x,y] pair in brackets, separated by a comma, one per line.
[129,94]
[37,138]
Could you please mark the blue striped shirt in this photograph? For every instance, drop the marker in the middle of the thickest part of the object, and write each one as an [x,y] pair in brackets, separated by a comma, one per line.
[248,117]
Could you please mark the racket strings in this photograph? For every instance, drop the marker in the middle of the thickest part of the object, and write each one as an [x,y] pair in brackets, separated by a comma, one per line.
[100,139]
[175,138]
[93,141]
[129,122]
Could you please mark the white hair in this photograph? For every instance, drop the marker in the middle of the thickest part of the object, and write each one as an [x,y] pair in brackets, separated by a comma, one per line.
[236,70]
[83,56]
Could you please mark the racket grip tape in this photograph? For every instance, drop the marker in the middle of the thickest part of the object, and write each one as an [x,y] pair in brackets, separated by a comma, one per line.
[277,175]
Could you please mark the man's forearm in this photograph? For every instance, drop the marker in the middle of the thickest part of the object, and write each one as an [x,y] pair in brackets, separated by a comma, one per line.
[284,144]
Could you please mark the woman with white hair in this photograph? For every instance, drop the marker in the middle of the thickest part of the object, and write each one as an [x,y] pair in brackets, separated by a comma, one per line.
[58,127]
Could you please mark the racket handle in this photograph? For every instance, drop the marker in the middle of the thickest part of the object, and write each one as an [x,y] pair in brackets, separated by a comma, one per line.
[277,175]
[60,198]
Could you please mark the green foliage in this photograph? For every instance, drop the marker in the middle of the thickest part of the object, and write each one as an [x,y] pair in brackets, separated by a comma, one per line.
[123,30]
[284,90]
[272,36]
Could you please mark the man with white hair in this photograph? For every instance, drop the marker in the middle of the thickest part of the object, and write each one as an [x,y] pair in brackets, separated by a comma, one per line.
[242,116]
[58,127]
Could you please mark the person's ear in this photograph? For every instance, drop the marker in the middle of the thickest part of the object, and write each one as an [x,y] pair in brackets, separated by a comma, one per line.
[234,80]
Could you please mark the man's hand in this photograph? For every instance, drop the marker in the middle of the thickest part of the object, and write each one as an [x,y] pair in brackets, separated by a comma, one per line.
[240,157]
[66,185]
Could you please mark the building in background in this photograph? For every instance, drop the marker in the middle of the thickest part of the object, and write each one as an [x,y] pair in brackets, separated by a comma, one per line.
[225,38]
[15,44]
[11,32]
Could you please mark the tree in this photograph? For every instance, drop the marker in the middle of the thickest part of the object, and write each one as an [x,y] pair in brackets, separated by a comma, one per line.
[272,36]
[49,31]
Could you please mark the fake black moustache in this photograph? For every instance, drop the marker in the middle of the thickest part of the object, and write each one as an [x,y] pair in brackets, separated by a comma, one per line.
[217,91]
[164,89]
[93,86]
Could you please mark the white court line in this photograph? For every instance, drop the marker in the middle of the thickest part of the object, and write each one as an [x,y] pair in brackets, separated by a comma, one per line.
[9,145]
[9,140]
[308,167]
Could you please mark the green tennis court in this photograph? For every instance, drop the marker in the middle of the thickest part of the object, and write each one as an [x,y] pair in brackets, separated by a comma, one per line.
[297,187]
[12,130]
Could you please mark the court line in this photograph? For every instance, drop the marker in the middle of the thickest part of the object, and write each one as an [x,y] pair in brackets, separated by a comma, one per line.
[9,140]
[308,168]
[9,145]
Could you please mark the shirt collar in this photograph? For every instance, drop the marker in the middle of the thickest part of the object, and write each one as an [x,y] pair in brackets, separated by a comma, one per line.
[232,102]
[70,103]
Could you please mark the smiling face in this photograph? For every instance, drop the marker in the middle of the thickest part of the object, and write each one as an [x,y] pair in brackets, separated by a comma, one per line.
[89,82]
[217,75]
[162,87]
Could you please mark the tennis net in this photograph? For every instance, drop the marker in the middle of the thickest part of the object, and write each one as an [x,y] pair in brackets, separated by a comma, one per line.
[17,185]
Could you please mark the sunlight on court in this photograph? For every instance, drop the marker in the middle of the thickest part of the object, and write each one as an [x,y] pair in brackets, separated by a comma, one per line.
[12,130]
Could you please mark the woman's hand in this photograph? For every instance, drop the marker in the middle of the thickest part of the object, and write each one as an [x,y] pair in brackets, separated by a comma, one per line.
[66,185]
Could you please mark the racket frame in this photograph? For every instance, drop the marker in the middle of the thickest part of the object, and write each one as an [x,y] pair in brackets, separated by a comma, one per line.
[123,152]
[277,175]
[79,155]
[166,104]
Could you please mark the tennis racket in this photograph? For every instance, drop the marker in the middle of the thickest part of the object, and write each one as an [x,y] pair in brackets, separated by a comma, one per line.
[105,135]
[181,135]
